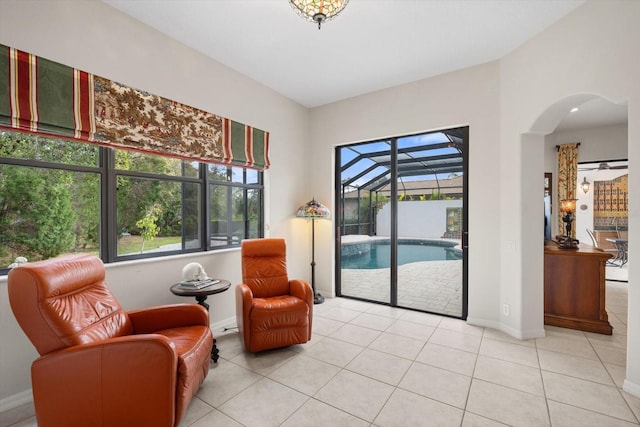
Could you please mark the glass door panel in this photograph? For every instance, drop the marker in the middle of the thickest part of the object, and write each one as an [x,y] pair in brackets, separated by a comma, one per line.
[430,200]
[402,221]
[364,224]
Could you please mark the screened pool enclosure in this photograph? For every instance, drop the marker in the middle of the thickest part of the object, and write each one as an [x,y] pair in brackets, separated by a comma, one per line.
[401,221]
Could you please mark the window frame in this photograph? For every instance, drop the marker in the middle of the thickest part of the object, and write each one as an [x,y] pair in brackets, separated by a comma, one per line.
[229,184]
[108,174]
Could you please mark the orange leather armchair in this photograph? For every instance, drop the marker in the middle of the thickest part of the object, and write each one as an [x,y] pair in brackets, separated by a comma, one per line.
[99,365]
[271,310]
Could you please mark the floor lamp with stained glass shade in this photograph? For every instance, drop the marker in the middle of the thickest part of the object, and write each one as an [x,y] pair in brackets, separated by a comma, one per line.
[314,210]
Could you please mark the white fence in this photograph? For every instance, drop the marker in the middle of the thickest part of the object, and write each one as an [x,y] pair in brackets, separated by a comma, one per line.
[427,219]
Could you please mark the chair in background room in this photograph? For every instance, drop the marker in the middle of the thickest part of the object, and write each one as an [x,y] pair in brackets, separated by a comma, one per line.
[613,251]
[100,365]
[622,245]
[271,310]
[594,241]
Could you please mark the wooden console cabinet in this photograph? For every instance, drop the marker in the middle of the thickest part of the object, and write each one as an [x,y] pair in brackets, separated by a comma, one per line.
[574,288]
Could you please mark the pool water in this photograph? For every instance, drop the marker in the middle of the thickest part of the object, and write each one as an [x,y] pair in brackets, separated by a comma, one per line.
[380,254]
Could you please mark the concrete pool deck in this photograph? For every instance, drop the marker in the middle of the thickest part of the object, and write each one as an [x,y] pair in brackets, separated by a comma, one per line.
[434,286]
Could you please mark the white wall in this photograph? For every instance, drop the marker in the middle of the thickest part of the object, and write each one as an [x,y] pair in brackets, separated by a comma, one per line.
[467,97]
[425,219]
[92,36]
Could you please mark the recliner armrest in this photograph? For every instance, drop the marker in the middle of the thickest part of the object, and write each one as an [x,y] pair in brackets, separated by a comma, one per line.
[128,380]
[301,289]
[244,298]
[150,320]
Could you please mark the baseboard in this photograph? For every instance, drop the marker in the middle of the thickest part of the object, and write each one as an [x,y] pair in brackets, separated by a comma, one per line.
[523,335]
[535,333]
[16,400]
[516,333]
[229,322]
[484,323]
[631,388]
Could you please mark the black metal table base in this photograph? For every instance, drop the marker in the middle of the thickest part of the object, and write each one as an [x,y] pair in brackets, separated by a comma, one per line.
[214,349]
[201,298]
[214,352]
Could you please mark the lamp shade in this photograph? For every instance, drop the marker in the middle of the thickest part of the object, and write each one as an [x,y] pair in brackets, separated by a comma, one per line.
[585,185]
[568,205]
[313,209]
[318,11]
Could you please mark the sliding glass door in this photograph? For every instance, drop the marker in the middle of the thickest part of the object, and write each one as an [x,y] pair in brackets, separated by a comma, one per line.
[401,230]
[364,223]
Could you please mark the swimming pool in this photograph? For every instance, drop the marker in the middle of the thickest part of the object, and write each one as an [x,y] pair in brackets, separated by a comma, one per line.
[379,253]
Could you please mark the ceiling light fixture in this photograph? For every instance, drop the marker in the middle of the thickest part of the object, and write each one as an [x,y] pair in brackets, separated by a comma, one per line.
[318,10]
[574,109]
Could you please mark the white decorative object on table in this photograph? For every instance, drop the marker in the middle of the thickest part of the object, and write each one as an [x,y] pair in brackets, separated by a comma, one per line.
[18,262]
[193,272]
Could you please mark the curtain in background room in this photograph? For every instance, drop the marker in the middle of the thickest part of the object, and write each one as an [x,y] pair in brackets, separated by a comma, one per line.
[567,178]
[42,96]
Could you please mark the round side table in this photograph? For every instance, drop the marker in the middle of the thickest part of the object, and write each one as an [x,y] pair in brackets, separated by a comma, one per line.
[201,296]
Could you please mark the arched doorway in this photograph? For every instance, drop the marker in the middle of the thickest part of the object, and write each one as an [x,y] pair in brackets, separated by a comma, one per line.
[538,154]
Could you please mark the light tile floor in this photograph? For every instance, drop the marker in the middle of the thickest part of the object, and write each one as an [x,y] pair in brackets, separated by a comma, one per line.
[617,273]
[372,365]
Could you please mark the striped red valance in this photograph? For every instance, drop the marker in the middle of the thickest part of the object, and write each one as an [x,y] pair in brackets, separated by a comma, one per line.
[42,96]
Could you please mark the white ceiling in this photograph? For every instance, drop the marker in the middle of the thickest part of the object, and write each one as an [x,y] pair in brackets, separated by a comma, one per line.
[371,45]
[596,112]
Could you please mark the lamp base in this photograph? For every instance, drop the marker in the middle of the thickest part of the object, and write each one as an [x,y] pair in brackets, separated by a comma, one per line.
[568,243]
[317,298]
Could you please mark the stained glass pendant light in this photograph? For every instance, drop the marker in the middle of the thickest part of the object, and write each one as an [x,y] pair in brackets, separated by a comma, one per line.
[318,10]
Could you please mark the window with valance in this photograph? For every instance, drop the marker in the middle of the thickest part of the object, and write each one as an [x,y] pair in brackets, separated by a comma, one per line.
[42,96]
[90,165]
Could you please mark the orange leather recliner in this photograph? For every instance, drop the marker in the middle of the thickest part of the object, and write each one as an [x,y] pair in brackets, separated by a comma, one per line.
[99,365]
[271,310]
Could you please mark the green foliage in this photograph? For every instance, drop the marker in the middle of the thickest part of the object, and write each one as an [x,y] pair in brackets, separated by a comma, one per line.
[367,210]
[131,244]
[136,195]
[85,188]
[423,197]
[36,215]
[439,196]
[26,146]
[47,211]
[148,225]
